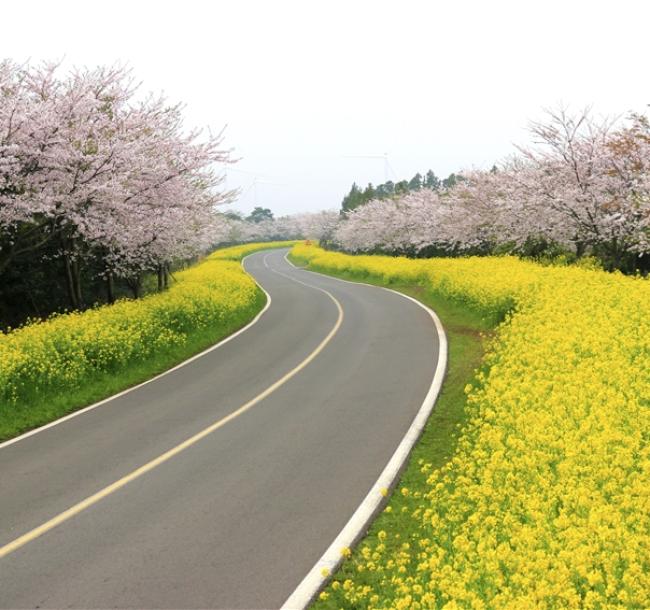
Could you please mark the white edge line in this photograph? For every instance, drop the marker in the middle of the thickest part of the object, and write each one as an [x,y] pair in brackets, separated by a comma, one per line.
[56,422]
[358,524]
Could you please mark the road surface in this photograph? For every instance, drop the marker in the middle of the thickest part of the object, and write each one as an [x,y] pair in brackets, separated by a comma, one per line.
[236,519]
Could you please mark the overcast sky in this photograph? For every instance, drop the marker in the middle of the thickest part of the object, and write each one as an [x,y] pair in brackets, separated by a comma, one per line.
[304,86]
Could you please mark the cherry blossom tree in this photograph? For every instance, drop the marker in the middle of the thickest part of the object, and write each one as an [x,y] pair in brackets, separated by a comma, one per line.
[584,184]
[94,170]
[309,225]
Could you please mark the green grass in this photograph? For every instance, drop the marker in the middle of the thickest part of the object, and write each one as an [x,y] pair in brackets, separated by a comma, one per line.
[20,418]
[466,331]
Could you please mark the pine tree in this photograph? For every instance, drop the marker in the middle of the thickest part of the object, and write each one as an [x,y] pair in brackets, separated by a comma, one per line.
[353,199]
[432,181]
[415,184]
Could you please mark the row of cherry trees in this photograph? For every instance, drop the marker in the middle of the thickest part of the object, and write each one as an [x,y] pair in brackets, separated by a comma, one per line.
[91,170]
[582,186]
[314,225]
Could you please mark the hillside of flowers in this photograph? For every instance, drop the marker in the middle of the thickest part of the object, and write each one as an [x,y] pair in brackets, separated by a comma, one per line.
[545,502]
[59,355]
[237,253]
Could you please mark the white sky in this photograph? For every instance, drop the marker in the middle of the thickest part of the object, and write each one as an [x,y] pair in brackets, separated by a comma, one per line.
[441,85]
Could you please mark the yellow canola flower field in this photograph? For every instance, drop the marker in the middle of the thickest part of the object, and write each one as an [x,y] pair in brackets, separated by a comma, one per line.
[236,253]
[66,351]
[546,501]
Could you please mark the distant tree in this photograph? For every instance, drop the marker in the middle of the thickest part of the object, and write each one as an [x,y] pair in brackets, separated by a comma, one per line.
[432,181]
[260,214]
[387,189]
[233,215]
[369,193]
[402,187]
[353,199]
[415,184]
[450,181]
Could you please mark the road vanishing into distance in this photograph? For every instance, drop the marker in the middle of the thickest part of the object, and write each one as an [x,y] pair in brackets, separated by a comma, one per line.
[236,518]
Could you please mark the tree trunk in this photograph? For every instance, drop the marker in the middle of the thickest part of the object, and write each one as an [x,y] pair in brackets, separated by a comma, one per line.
[69,282]
[76,278]
[110,288]
[135,285]
[166,275]
[161,278]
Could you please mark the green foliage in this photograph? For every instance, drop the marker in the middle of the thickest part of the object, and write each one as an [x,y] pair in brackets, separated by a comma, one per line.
[432,181]
[260,214]
[450,181]
[233,215]
[402,187]
[358,197]
[415,183]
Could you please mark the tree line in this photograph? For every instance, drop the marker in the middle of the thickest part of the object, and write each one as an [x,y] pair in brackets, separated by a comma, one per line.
[100,185]
[389,189]
[581,189]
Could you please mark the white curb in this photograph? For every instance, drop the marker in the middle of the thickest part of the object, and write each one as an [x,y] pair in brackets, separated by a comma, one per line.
[358,524]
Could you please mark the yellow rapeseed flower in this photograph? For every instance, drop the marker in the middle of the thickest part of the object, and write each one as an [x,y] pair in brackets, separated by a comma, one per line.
[544,503]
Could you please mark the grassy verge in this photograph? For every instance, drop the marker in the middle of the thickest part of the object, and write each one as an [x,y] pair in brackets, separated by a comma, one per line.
[466,331]
[43,406]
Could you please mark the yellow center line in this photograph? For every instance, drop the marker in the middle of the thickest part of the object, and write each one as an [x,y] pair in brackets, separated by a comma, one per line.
[138,472]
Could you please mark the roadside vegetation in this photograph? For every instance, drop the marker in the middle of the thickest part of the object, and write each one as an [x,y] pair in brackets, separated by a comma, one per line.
[580,189]
[53,367]
[106,192]
[542,503]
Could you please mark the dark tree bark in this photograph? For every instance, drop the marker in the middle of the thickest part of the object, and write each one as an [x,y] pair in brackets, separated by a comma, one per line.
[76,278]
[135,285]
[110,288]
[69,282]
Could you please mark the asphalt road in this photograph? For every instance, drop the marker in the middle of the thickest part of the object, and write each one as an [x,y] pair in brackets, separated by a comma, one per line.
[238,518]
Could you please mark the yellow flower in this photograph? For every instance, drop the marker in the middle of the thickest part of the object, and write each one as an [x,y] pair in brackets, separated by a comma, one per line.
[64,352]
[542,503]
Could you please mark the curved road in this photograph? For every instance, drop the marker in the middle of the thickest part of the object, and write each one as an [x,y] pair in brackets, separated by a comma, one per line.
[238,518]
